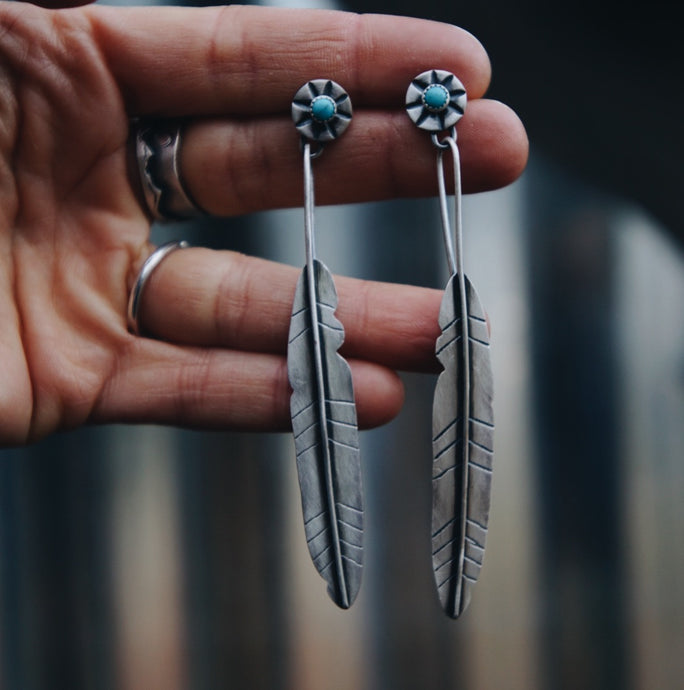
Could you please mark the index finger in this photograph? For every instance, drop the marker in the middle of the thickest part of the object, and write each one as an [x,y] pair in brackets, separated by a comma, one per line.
[246,60]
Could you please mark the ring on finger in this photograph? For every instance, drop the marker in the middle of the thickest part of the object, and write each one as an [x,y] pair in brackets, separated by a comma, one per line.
[151,263]
[157,152]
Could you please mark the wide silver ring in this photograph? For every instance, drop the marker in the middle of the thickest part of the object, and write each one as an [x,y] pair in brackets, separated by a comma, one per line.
[151,263]
[157,151]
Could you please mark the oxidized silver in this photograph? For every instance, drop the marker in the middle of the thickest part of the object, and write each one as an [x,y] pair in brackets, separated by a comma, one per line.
[151,263]
[321,110]
[326,436]
[157,149]
[436,114]
[462,415]
[322,404]
[462,445]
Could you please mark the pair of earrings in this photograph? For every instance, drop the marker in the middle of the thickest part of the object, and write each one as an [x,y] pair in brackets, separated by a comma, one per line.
[322,403]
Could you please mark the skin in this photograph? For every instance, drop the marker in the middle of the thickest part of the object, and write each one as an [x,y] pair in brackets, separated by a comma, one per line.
[73,233]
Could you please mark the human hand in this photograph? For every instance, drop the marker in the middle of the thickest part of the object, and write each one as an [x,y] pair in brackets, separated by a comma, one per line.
[74,233]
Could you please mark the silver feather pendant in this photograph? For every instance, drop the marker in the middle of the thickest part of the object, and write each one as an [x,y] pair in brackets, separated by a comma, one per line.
[462,446]
[322,403]
[326,436]
[462,417]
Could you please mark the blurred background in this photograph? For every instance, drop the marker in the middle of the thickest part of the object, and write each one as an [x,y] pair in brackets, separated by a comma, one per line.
[142,557]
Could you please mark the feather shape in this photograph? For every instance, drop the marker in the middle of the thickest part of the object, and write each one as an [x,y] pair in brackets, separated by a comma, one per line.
[463,435]
[326,435]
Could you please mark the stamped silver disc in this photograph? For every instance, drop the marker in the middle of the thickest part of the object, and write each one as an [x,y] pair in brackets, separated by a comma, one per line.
[436,100]
[321,110]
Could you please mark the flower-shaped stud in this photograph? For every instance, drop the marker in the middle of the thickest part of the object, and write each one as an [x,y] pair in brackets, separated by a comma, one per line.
[436,100]
[321,110]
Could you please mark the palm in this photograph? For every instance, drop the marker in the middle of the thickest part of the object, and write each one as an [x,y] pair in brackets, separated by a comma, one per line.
[73,229]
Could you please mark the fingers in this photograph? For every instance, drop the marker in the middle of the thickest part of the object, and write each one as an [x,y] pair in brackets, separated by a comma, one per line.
[227,165]
[250,60]
[223,299]
[158,383]
[227,317]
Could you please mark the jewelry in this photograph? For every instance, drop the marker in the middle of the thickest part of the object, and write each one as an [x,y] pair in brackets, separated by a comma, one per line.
[322,403]
[462,416]
[157,149]
[151,263]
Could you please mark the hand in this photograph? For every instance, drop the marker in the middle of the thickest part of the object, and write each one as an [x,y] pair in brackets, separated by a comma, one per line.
[74,233]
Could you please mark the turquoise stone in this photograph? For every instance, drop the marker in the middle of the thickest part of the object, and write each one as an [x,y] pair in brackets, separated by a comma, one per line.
[436,97]
[323,108]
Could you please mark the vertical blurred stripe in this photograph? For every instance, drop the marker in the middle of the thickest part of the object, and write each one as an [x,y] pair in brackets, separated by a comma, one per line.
[55,576]
[571,245]
[146,565]
[651,330]
[236,590]
[501,640]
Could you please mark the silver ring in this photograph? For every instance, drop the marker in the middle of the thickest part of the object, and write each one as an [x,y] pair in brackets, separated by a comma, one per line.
[157,151]
[152,261]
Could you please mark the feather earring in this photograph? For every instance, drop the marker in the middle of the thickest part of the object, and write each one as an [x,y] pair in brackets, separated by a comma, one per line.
[322,403]
[462,417]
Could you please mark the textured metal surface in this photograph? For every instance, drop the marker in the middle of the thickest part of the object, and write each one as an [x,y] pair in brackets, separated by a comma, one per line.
[326,436]
[435,117]
[157,150]
[463,436]
[321,129]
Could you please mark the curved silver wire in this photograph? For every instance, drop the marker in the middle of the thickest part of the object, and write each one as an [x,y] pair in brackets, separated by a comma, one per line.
[313,154]
[441,143]
[453,233]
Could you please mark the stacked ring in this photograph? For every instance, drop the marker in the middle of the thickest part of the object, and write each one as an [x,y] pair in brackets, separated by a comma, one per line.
[157,151]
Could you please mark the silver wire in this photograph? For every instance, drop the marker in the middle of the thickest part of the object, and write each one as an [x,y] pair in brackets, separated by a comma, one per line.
[309,203]
[453,233]
[441,144]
